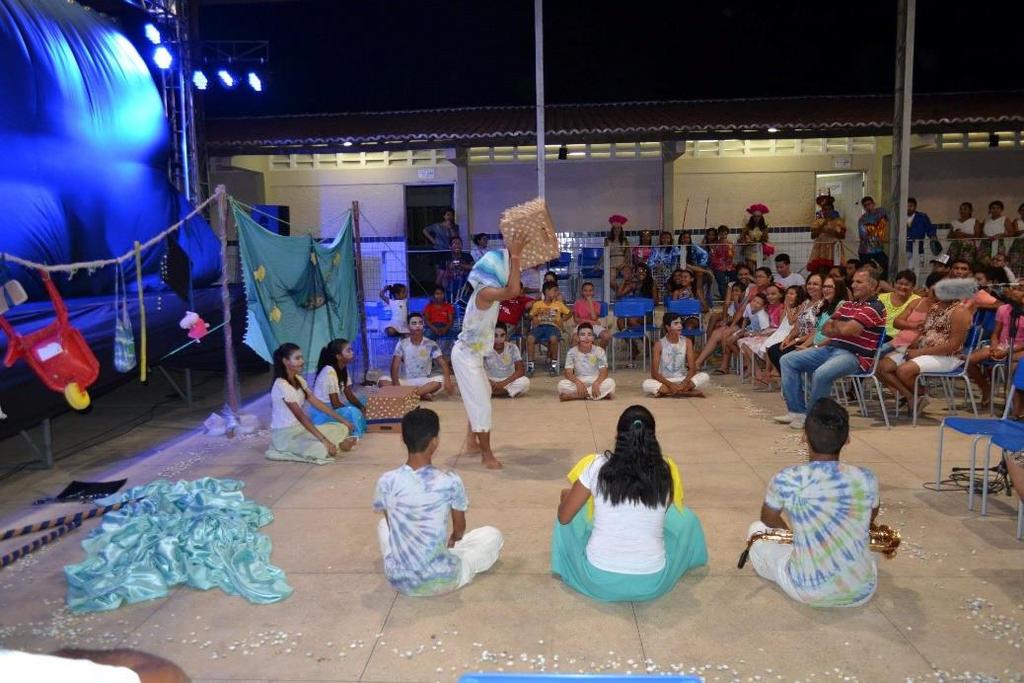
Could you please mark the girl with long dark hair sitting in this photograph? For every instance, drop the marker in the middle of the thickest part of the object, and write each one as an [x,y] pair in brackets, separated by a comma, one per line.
[622,531]
[293,436]
[332,381]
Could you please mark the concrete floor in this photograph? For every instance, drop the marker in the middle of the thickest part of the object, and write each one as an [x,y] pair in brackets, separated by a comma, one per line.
[952,601]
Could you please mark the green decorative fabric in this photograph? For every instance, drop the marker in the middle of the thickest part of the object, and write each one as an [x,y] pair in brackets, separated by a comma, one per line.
[203,533]
[296,289]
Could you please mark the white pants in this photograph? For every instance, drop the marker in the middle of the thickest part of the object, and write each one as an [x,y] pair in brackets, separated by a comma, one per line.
[473,385]
[516,387]
[478,550]
[420,381]
[927,363]
[569,388]
[652,386]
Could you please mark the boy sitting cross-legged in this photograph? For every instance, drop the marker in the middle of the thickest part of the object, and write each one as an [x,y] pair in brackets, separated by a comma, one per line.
[420,557]
[586,370]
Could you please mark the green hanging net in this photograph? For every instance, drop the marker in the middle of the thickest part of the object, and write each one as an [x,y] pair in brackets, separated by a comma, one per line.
[296,289]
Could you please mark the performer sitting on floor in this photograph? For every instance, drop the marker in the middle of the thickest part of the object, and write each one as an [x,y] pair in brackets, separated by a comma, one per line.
[504,366]
[674,364]
[586,369]
[622,532]
[420,557]
[293,436]
[831,506]
[418,354]
[331,375]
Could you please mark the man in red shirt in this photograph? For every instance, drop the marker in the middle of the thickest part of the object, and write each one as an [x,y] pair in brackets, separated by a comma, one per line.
[853,335]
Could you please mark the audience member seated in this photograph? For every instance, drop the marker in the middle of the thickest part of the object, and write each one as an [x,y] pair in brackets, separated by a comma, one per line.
[546,317]
[622,531]
[586,370]
[756,322]
[439,315]
[420,557]
[985,277]
[396,297]
[757,346]
[587,309]
[674,364]
[938,348]
[751,344]
[997,350]
[293,436]
[831,507]
[331,375]
[784,276]
[896,301]
[416,355]
[853,332]
[727,329]
[504,366]
[803,329]
[638,284]
[511,312]
[454,270]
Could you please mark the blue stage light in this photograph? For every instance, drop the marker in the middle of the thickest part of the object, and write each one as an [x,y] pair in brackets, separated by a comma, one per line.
[226,78]
[162,57]
[152,33]
[254,82]
[199,80]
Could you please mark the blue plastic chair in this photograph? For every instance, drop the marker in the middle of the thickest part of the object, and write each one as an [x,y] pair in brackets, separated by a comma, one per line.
[947,378]
[632,307]
[561,266]
[688,308]
[418,303]
[980,428]
[591,262]
[1010,443]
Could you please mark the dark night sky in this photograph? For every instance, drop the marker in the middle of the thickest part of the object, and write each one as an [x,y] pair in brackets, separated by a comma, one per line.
[373,55]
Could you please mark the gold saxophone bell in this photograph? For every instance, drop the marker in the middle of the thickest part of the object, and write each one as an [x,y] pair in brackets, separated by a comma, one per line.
[884,540]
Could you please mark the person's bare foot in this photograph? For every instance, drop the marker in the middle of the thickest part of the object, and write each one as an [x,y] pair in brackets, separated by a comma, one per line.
[348,444]
[471,447]
[565,397]
[490,462]
[426,397]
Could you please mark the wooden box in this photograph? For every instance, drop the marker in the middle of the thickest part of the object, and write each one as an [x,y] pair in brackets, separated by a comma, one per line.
[533,220]
[386,408]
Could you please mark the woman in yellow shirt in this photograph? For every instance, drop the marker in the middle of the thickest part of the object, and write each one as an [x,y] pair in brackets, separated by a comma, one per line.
[896,301]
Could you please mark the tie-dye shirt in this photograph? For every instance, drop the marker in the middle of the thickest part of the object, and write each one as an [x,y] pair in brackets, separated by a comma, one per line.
[829,507]
[587,364]
[417,359]
[418,503]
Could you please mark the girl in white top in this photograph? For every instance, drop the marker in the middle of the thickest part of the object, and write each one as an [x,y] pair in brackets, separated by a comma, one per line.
[494,278]
[674,364]
[642,539]
[396,296]
[293,436]
[333,380]
[996,224]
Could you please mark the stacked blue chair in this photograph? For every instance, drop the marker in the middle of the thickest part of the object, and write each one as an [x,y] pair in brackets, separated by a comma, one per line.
[632,307]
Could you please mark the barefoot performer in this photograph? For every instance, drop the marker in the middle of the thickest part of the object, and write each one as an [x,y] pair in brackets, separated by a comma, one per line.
[494,278]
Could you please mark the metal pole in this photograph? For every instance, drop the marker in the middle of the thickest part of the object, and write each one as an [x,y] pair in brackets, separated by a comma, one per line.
[231,370]
[538,48]
[360,289]
[904,95]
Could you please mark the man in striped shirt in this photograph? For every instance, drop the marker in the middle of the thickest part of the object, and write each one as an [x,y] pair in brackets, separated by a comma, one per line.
[853,335]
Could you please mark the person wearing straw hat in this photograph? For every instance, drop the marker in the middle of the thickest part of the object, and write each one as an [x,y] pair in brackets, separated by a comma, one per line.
[826,229]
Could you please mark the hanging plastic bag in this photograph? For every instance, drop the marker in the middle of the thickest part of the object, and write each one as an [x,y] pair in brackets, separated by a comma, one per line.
[124,338]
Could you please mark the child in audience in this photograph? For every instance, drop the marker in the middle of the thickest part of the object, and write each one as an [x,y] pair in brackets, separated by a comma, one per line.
[417,354]
[396,297]
[547,317]
[587,309]
[752,345]
[674,363]
[293,436]
[331,375]
[831,507]
[420,557]
[504,366]
[439,315]
[757,321]
[622,531]
[586,370]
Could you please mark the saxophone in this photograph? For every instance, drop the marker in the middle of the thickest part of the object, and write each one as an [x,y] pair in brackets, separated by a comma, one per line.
[884,540]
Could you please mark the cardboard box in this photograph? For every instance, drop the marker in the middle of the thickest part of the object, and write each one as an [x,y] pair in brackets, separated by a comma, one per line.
[386,408]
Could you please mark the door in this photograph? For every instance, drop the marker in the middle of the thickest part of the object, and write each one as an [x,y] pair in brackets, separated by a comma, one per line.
[424,205]
[848,190]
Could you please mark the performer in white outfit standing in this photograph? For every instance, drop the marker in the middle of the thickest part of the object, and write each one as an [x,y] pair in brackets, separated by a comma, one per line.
[505,367]
[494,278]
[586,369]
[674,365]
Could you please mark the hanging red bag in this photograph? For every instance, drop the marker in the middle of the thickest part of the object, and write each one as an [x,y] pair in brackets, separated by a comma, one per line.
[57,353]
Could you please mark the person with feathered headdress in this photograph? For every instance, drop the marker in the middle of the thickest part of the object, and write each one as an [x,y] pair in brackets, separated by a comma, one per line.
[753,234]
[826,229]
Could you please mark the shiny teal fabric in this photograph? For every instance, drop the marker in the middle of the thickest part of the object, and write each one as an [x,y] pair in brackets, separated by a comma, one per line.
[203,533]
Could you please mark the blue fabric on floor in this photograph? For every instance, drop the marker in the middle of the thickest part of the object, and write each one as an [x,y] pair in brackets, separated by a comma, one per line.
[203,533]
[350,413]
[684,549]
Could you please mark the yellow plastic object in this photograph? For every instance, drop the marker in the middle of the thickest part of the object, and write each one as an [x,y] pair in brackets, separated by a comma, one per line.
[76,397]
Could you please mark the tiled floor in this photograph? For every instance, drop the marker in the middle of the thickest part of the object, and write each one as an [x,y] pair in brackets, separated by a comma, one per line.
[952,601]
